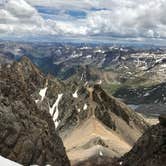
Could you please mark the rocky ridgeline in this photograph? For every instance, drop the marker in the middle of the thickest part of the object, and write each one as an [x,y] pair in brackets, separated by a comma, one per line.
[27,134]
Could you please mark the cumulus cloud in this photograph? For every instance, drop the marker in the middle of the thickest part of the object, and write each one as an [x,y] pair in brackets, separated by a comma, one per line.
[70,4]
[125,18]
[17,17]
[139,19]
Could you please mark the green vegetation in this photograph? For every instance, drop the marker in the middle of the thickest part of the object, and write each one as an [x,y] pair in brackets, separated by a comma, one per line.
[111,88]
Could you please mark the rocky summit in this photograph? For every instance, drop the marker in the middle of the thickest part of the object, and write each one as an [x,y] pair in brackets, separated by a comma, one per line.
[27,134]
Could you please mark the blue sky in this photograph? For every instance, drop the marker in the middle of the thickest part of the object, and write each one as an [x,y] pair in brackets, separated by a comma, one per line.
[50,12]
[105,20]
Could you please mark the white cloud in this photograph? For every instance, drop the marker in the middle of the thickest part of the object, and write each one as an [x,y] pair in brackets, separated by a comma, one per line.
[17,17]
[125,18]
[70,4]
[115,18]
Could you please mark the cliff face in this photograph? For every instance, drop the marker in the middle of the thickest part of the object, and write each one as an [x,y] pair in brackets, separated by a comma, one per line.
[27,134]
[150,149]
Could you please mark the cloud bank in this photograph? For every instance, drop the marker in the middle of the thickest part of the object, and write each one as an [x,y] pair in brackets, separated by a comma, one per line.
[139,19]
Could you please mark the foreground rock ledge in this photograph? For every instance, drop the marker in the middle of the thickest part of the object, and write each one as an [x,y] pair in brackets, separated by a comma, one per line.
[27,134]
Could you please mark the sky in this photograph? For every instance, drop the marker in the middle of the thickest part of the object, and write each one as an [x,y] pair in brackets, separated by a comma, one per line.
[100,20]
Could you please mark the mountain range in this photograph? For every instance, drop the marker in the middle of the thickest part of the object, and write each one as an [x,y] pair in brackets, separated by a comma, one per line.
[42,111]
[132,74]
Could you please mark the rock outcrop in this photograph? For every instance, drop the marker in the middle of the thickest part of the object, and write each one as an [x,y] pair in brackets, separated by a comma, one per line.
[150,149]
[27,133]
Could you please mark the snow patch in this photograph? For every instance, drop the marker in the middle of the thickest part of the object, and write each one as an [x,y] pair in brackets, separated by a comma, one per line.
[89,56]
[120,163]
[100,153]
[82,76]
[158,60]
[75,94]
[36,101]
[42,93]
[55,106]
[84,48]
[146,94]
[57,123]
[7,162]
[85,107]
[76,55]
[99,51]
[86,83]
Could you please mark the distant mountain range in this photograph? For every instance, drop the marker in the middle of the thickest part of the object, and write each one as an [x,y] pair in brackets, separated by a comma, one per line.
[132,74]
